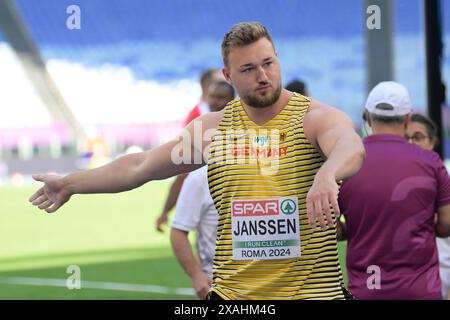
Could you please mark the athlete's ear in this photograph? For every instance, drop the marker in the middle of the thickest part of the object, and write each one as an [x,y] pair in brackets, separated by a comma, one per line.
[226,74]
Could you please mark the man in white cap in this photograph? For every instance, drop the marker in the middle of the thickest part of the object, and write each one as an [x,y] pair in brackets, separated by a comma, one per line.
[389,207]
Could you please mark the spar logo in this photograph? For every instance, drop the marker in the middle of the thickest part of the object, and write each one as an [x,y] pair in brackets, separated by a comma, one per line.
[288,206]
[243,208]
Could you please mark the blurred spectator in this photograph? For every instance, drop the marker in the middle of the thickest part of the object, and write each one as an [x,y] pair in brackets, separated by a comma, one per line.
[298,86]
[219,94]
[195,211]
[207,77]
[423,133]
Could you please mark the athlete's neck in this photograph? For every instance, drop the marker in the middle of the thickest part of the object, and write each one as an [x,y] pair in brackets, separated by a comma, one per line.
[262,115]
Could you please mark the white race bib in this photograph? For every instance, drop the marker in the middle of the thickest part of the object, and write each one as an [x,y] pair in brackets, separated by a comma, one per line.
[265,229]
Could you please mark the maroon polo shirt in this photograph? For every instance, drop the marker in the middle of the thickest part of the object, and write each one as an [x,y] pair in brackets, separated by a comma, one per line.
[389,207]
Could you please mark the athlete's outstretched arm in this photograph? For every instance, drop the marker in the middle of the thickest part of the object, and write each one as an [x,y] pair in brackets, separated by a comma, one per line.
[128,172]
[333,134]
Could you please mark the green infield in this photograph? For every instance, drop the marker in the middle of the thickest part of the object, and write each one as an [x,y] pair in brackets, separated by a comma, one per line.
[110,239]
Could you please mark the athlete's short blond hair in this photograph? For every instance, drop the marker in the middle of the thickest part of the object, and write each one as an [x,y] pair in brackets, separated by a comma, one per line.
[242,34]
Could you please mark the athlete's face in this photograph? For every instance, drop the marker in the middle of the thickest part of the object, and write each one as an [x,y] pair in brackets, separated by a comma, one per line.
[417,134]
[254,70]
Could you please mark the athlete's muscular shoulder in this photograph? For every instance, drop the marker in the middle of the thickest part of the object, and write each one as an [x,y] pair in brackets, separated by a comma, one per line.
[321,117]
[211,120]
[201,130]
[207,122]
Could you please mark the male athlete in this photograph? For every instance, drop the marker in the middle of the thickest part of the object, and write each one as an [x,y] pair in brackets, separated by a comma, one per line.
[274,159]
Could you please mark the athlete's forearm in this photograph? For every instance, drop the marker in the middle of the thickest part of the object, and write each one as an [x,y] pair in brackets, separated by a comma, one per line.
[129,172]
[345,159]
[183,252]
[117,176]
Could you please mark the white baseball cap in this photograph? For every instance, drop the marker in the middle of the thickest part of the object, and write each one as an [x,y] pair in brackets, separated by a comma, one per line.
[389,98]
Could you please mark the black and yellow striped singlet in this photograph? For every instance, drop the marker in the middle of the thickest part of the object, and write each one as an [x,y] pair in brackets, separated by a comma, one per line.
[259,177]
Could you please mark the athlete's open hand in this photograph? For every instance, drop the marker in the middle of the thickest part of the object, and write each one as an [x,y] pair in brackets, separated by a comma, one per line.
[322,195]
[52,195]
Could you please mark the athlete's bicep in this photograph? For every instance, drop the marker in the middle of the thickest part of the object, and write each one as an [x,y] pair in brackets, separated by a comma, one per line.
[328,126]
[167,160]
[183,154]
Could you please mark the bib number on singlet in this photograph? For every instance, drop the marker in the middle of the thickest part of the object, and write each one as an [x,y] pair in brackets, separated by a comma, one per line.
[265,229]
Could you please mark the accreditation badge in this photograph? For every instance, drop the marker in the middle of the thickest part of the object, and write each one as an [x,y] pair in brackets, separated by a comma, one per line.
[265,229]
